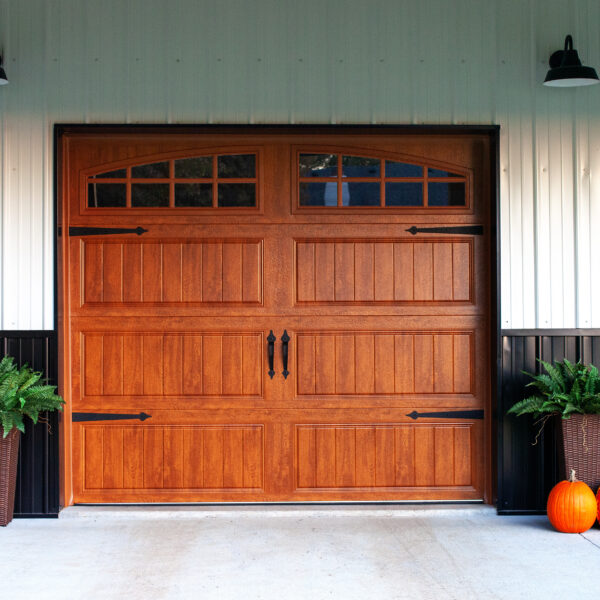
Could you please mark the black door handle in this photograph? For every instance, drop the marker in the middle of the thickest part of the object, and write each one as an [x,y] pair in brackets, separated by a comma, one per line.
[271,352]
[285,338]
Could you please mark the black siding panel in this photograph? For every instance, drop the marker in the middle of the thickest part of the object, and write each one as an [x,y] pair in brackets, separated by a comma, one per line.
[527,470]
[37,492]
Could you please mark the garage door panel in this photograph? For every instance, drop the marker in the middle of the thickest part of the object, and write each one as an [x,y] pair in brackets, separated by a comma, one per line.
[384,363]
[384,271]
[384,455]
[171,457]
[170,272]
[170,365]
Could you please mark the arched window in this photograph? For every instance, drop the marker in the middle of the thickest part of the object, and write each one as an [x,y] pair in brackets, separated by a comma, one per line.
[345,181]
[208,181]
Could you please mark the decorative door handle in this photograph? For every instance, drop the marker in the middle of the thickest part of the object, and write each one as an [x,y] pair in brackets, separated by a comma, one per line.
[271,352]
[285,338]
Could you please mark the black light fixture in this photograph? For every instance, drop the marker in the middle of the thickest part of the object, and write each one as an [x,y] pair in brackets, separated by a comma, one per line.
[566,69]
[3,77]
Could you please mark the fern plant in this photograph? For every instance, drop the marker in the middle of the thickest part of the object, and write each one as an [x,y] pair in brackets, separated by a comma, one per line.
[565,388]
[21,397]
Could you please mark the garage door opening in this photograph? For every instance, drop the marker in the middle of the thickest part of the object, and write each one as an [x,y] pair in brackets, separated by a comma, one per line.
[256,315]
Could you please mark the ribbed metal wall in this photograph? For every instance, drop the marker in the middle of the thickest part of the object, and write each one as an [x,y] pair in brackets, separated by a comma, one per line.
[527,469]
[37,477]
[332,61]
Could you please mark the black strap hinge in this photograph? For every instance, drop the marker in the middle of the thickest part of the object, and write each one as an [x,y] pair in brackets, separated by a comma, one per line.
[103,230]
[465,229]
[78,417]
[450,414]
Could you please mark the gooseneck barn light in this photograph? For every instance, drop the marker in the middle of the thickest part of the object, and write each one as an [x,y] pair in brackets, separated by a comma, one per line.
[3,77]
[566,69]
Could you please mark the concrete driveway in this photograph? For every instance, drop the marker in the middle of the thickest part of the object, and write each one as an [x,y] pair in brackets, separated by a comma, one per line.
[304,552]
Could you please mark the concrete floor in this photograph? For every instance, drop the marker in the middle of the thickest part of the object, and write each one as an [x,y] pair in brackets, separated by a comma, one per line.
[342,552]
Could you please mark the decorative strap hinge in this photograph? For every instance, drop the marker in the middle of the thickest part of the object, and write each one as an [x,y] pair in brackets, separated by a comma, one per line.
[104,230]
[78,417]
[465,229]
[450,414]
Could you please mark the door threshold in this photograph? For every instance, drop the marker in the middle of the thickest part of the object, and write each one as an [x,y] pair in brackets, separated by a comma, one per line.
[296,509]
[303,503]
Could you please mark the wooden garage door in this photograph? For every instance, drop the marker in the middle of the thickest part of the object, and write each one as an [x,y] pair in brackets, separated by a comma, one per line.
[191,259]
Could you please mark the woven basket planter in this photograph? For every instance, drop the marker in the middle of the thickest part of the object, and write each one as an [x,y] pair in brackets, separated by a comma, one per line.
[9,454]
[581,445]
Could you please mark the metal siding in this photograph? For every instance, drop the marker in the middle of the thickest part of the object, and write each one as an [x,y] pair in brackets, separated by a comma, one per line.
[340,61]
[528,470]
[37,477]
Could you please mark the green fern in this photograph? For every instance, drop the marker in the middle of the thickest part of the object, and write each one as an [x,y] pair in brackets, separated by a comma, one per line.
[564,389]
[21,397]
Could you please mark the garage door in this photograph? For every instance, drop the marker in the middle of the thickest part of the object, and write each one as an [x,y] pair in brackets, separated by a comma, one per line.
[275,317]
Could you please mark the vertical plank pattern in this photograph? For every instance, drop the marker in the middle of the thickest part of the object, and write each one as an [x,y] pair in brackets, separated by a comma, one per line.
[191,272]
[112,273]
[133,464]
[152,272]
[325,267]
[383,456]
[172,276]
[380,363]
[385,271]
[306,272]
[153,457]
[174,364]
[306,364]
[233,272]
[112,364]
[172,272]
[193,457]
[173,457]
[251,272]
[212,273]
[92,367]
[364,272]
[93,447]
[132,273]
[344,272]
[325,370]
[423,271]
[384,275]
[93,272]
[404,274]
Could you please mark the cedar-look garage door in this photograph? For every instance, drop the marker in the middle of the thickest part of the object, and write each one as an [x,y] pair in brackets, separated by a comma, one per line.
[276,317]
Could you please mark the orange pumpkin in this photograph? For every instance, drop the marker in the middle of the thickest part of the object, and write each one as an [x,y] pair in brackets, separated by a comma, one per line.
[572,506]
[598,502]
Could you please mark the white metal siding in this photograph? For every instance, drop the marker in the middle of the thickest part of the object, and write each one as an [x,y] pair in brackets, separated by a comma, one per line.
[316,61]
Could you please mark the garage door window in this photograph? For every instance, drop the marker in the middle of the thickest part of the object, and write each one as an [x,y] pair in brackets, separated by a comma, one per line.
[212,181]
[345,181]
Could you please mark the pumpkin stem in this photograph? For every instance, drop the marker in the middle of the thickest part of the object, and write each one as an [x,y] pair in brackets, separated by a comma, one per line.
[572,479]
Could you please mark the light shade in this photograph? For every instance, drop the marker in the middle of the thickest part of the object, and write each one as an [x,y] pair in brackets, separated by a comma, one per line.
[3,77]
[566,69]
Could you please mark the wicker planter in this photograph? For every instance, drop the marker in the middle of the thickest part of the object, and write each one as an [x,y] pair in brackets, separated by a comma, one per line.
[9,453]
[581,445]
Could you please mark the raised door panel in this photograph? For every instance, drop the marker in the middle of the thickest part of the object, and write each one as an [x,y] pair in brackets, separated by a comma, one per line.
[384,271]
[384,363]
[170,365]
[373,456]
[162,458]
[171,272]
